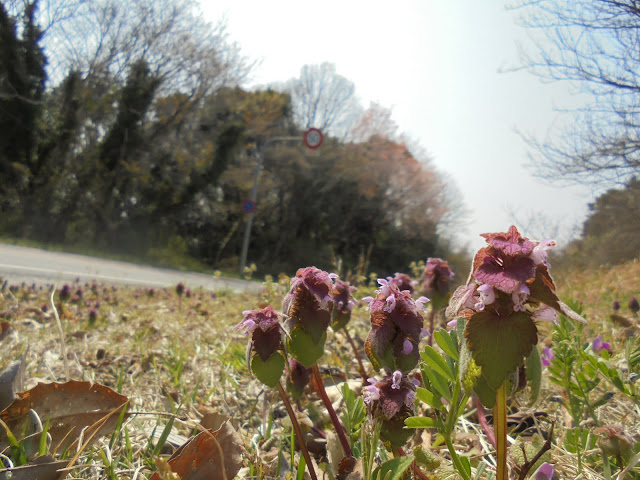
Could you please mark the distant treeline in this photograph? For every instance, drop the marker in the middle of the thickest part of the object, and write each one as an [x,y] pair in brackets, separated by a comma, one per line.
[132,134]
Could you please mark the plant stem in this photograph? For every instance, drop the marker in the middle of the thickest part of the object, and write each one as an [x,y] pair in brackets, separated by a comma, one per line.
[296,428]
[500,430]
[432,319]
[456,459]
[363,372]
[337,424]
[484,424]
[417,473]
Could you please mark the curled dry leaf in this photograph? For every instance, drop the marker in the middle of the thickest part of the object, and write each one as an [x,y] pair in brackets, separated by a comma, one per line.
[70,408]
[210,455]
[43,468]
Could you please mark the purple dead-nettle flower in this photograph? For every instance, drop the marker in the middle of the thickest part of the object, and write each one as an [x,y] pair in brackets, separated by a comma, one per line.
[598,345]
[410,399]
[402,281]
[248,324]
[343,304]
[544,472]
[485,296]
[390,303]
[368,301]
[391,400]
[436,277]
[519,297]
[371,392]
[308,304]
[396,379]
[343,296]
[506,263]
[395,319]
[546,314]
[421,303]
[265,330]
[547,356]
[510,275]
[540,253]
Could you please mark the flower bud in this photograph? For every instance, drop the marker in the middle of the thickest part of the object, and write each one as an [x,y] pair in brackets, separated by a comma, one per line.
[308,306]
[343,304]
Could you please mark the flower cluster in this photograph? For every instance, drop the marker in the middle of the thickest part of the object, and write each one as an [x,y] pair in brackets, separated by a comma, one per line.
[402,281]
[510,275]
[396,328]
[436,278]
[264,350]
[308,307]
[265,330]
[508,290]
[392,400]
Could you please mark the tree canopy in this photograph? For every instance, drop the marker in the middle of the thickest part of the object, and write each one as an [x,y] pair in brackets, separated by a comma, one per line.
[141,139]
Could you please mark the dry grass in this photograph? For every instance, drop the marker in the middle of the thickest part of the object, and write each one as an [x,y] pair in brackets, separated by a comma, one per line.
[180,355]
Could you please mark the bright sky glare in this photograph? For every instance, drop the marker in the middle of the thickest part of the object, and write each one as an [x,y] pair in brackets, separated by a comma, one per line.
[437,64]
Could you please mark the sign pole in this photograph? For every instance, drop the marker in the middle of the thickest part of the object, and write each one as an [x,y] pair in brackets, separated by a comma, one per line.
[312,139]
[253,198]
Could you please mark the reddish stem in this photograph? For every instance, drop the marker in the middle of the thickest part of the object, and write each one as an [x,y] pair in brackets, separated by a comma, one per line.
[399,452]
[296,428]
[363,372]
[488,431]
[337,424]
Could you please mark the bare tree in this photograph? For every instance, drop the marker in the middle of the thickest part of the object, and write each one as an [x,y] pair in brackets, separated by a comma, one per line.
[103,38]
[323,99]
[375,121]
[594,46]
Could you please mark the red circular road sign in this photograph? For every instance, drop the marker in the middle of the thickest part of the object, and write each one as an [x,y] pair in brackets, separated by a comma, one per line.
[248,206]
[313,138]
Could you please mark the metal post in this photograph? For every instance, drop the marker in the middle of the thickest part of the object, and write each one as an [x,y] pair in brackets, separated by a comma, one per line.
[260,148]
[253,198]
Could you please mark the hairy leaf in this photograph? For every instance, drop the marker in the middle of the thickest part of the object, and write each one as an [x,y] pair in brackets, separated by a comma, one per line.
[499,344]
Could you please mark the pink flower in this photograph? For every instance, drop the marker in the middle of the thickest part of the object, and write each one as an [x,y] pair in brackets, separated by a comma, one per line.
[371,392]
[547,356]
[598,345]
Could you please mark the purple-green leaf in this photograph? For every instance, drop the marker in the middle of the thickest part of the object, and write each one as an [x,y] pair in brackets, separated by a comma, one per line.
[499,344]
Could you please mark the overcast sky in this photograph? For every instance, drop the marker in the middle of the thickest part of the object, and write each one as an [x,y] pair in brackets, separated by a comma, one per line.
[437,64]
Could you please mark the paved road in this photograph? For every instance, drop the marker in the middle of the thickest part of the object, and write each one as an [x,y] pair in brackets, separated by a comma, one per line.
[23,264]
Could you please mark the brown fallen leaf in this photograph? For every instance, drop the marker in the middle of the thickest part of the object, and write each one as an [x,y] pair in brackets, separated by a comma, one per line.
[70,407]
[210,455]
[43,468]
